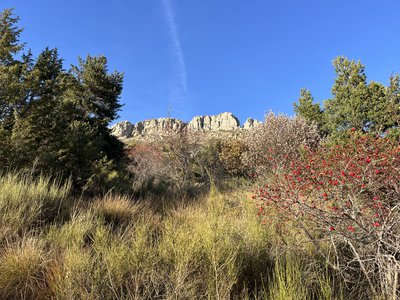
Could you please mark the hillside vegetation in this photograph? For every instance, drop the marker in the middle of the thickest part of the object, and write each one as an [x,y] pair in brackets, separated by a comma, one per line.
[303,207]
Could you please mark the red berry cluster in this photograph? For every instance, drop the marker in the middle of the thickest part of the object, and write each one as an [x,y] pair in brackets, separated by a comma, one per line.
[343,189]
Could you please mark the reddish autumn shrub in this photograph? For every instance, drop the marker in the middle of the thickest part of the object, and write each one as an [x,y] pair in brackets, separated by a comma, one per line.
[146,163]
[349,193]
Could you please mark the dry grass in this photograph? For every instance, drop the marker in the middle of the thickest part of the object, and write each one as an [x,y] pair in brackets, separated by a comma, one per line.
[116,209]
[113,248]
[23,269]
[27,202]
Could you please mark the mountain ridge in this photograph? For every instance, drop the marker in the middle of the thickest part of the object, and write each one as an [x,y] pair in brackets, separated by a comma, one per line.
[225,121]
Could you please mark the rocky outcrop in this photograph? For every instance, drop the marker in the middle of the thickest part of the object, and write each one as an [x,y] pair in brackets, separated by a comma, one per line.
[157,126]
[122,129]
[251,123]
[225,121]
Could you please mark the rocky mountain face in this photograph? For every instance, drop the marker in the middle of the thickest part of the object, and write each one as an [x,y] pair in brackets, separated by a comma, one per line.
[225,121]
[251,123]
[199,124]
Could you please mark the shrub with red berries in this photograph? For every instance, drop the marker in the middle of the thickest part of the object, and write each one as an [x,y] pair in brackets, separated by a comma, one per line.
[349,193]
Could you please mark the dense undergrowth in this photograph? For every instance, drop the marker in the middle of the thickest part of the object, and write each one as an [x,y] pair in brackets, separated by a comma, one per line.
[115,248]
[211,222]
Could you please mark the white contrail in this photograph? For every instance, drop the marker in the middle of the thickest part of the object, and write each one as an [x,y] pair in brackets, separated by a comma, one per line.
[177,48]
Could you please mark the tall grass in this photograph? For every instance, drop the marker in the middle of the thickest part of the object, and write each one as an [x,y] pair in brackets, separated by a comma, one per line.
[23,270]
[113,248]
[25,202]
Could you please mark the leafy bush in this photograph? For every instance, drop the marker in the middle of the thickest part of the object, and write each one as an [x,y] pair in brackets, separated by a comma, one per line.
[278,140]
[147,164]
[349,194]
[231,156]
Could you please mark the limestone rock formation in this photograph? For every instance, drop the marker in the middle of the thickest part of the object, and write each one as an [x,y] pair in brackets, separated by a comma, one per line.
[122,129]
[153,128]
[157,126]
[251,123]
[225,121]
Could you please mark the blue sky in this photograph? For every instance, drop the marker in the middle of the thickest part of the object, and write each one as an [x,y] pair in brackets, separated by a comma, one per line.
[185,57]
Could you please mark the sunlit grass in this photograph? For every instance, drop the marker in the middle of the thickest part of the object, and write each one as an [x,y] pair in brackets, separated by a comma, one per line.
[113,248]
[23,269]
[26,202]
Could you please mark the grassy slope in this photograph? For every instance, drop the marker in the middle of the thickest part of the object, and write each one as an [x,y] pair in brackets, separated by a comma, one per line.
[113,248]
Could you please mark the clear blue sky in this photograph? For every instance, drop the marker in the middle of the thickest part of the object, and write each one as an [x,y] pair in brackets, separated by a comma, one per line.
[194,57]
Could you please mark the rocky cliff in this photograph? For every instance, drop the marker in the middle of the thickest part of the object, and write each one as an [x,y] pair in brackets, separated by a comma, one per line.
[251,123]
[225,121]
[155,127]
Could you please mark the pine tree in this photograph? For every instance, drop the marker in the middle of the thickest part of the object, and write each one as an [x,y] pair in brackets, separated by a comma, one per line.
[310,111]
[11,70]
[101,91]
[349,107]
[378,116]
[393,101]
[54,119]
[34,133]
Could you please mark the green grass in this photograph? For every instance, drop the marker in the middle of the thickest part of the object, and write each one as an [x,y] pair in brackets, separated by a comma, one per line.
[27,202]
[113,248]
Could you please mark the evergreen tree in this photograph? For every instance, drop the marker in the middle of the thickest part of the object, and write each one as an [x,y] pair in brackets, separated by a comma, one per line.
[310,111]
[11,70]
[378,117]
[350,105]
[393,102]
[54,119]
[97,96]
[11,92]
[101,90]
[9,37]
[356,104]
[33,134]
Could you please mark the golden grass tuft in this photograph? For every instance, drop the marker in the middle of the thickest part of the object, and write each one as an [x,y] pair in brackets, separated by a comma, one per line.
[116,209]
[22,270]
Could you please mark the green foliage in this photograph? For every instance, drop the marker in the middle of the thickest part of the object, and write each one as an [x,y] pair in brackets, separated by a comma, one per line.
[308,110]
[393,101]
[11,70]
[349,106]
[231,157]
[100,91]
[378,116]
[9,37]
[56,119]
[355,104]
